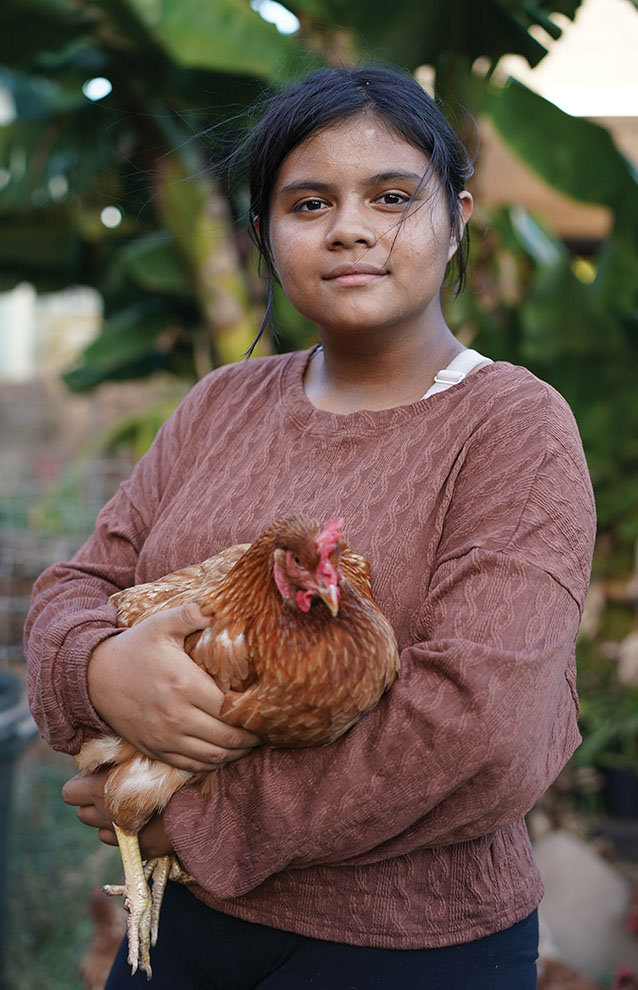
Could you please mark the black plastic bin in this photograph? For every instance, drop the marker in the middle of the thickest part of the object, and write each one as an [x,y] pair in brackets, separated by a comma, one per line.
[16,729]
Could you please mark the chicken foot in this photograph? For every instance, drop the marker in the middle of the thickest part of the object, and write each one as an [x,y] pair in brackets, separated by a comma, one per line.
[160,871]
[137,901]
[142,928]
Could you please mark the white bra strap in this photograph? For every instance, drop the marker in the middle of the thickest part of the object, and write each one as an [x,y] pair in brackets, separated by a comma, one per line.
[456,371]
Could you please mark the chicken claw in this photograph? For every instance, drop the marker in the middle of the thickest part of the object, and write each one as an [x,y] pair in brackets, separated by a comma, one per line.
[161,870]
[158,870]
[137,901]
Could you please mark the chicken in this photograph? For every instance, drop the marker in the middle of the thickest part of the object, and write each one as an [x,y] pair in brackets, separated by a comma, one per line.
[298,647]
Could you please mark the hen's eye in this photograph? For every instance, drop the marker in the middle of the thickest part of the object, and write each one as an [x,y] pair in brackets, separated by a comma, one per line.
[297,561]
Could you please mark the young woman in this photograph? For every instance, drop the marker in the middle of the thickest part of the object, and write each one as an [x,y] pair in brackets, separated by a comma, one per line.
[397,856]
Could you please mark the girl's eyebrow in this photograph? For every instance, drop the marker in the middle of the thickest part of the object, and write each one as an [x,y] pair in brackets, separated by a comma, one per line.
[372,180]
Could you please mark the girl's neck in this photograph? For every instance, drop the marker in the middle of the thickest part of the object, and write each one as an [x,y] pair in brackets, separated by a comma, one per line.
[344,379]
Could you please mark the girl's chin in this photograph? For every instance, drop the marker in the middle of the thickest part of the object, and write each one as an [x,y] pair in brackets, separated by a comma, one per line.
[359,327]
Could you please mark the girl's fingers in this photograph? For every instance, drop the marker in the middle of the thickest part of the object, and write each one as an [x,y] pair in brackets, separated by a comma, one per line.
[89,815]
[107,836]
[85,789]
[204,759]
[179,622]
[151,693]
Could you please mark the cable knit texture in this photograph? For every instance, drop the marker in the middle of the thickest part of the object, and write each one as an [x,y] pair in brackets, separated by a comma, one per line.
[475,509]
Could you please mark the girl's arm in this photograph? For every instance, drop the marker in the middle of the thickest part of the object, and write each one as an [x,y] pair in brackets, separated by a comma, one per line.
[85,675]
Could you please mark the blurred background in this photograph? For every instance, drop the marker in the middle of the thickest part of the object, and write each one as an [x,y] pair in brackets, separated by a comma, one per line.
[126,274]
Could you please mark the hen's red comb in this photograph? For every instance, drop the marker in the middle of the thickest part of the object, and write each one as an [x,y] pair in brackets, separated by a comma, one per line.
[329,537]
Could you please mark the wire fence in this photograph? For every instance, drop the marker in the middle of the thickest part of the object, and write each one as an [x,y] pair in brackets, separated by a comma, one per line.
[39,527]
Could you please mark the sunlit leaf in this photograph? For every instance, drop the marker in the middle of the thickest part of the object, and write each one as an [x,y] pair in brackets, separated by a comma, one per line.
[125,348]
[439,34]
[226,35]
[572,154]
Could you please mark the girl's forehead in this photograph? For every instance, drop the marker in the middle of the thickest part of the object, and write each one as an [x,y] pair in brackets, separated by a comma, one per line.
[363,144]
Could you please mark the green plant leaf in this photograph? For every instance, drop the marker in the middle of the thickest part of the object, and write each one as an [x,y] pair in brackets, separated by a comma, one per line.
[574,155]
[30,27]
[617,276]
[125,348]
[154,264]
[448,35]
[42,249]
[558,299]
[225,35]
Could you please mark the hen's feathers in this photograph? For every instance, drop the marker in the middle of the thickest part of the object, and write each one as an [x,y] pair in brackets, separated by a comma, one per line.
[188,584]
[142,600]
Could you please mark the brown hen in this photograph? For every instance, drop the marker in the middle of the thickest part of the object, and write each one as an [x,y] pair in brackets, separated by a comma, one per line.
[297,645]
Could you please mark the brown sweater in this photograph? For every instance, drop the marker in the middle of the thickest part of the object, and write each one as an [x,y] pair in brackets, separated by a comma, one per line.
[475,509]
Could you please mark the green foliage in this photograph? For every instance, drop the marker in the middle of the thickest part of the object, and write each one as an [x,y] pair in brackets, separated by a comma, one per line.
[576,156]
[571,334]
[574,322]
[64,159]
[448,36]
[228,36]
[609,710]
[132,338]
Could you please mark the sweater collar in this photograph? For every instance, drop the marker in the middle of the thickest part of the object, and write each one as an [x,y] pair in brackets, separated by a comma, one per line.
[312,420]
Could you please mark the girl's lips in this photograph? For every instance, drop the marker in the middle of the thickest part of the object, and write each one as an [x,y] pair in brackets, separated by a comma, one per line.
[354,275]
[355,278]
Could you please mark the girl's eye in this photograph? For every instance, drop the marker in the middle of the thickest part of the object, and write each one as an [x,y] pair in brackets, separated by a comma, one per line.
[309,206]
[393,199]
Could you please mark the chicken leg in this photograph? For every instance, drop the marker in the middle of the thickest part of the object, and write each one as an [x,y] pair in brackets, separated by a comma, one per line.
[137,901]
[143,920]
[161,870]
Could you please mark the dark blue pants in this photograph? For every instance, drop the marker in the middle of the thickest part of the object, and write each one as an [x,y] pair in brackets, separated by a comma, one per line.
[201,949]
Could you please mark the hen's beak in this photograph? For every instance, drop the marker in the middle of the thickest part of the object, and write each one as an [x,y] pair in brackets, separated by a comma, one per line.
[330,596]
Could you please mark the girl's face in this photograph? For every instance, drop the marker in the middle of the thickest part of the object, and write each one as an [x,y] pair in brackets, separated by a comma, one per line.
[349,255]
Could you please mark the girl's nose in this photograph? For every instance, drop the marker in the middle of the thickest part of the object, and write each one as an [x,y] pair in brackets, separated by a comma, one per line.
[351,227]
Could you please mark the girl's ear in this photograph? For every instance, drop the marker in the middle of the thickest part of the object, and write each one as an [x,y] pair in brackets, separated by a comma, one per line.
[256,226]
[466,204]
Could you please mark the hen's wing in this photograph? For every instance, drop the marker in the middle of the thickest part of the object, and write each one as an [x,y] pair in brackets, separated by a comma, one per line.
[357,571]
[140,601]
[221,651]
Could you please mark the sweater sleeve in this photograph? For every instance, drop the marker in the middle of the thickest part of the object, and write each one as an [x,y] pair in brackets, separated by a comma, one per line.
[481,721]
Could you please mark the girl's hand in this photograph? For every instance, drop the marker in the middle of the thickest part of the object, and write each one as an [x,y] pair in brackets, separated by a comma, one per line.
[87,792]
[143,684]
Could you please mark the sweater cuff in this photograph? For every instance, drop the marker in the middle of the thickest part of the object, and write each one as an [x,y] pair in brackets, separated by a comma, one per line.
[75,656]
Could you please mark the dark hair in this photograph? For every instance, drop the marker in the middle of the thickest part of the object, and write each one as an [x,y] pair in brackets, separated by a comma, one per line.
[327,97]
